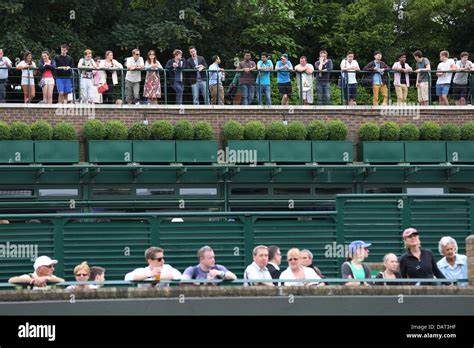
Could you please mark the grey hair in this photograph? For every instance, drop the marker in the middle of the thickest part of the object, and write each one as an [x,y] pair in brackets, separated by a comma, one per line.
[445,241]
[310,254]
[203,250]
[257,248]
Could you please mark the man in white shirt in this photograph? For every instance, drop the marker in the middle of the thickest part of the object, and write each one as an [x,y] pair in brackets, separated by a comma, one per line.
[444,77]
[258,268]
[349,81]
[134,64]
[304,80]
[156,269]
[5,64]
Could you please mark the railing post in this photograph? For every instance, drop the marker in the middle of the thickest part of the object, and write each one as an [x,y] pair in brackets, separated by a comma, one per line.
[58,240]
[207,94]
[340,236]
[388,87]
[248,238]
[429,90]
[259,77]
[300,87]
[122,88]
[166,86]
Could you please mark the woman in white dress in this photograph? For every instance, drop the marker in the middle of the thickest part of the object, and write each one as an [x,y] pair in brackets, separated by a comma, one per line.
[296,270]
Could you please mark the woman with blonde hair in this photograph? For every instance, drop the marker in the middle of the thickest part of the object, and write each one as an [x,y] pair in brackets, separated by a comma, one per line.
[82,273]
[390,262]
[296,270]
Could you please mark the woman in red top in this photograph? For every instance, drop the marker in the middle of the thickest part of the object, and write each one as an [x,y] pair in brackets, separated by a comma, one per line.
[46,67]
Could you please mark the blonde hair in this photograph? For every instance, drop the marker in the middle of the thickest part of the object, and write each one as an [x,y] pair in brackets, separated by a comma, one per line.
[295,252]
[88,51]
[83,266]
[385,258]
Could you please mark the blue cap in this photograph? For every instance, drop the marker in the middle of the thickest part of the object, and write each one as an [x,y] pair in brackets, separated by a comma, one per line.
[358,244]
[285,55]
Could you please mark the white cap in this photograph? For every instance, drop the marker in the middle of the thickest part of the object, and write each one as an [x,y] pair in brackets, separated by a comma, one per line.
[44,261]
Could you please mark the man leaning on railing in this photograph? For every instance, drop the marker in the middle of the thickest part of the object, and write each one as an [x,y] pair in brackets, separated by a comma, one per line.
[5,64]
[258,268]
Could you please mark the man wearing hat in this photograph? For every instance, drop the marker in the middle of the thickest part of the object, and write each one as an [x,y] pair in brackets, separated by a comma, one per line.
[44,268]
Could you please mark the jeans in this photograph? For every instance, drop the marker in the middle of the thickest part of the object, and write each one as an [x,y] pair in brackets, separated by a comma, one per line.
[199,86]
[248,93]
[3,83]
[178,88]
[265,89]
[132,91]
[323,91]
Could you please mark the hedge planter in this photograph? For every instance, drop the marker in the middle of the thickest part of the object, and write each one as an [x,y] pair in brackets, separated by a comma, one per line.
[382,151]
[293,151]
[425,151]
[154,151]
[460,151]
[196,151]
[56,151]
[245,151]
[109,151]
[16,151]
[332,151]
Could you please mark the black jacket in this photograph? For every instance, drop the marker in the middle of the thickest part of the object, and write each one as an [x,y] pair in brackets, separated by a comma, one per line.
[385,67]
[175,72]
[191,75]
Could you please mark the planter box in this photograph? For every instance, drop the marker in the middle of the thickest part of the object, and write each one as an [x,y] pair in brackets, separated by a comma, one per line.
[109,151]
[425,151]
[56,151]
[196,151]
[154,151]
[460,151]
[245,151]
[332,151]
[293,151]
[382,151]
[16,151]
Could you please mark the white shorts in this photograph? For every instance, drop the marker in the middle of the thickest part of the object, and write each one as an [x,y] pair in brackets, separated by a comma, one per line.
[49,81]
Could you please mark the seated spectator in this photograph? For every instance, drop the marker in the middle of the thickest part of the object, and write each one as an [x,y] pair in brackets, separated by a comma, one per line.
[97,274]
[44,269]
[296,270]
[207,268]
[82,273]
[274,255]
[452,265]
[390,262]
[353,268]
[156,269]
[307,261]
[258,268]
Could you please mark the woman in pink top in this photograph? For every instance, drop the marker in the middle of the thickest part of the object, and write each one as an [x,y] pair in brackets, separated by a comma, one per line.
[46,67]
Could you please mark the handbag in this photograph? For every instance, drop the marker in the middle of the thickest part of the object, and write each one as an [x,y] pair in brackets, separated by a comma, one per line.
[103,88]
[42,83]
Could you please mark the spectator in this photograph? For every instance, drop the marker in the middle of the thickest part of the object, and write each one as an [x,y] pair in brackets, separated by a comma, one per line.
[133,78]
[4,222]
[207,268]
[233,90]
[402,82]
[5,64]
[296,270]
[64,64]
[304,80]
[284,67]
[274,256]
[264,66]
[258,268]
[307,261]
[247,78]
[423,75]
[82,274]
[152,89]
[444,77]
[88,90]
[379,78]
[46,66]
[44,269]
[97,77]
[323,67]
[109,76]
[348,78]
[196,80]
[156,269]
[97,274]
[461,78]
[176,66]
[417,262]
[353,268]
[452,265]
[27,67]
[390,262]
[216,76]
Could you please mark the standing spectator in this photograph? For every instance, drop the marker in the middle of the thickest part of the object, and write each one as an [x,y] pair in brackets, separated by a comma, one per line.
[296,270]
[274,256]
[27,67]
[152,89]
[46,67]
[379,78]
[44,269]
[423,75]
[444,77]
[264,66]
[5,64]
[247,78]
[82,273]
[304,80]
[216,76]
[348,78]
[97,77]
[97,274]
[323,67]
[353,268]
[461,78]
[176,66]
[307,261]
[390,262]
[109,76]
[196,79]
[64,64]
[402,78]
[134,76]
[258,268]
[452,265]
[88,90]
[284,67]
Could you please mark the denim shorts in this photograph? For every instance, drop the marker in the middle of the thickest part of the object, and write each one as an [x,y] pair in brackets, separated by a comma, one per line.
[442,89]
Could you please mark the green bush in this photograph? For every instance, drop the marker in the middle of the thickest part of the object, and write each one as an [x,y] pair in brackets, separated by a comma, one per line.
[430,131]
[297,131]
[369,132]
[389,131]
[139,131]
[116,130]
[41,130]
[232,130]
[450,132]
[4,131]
[467,131]
[20,131]
[64,131]
[409,132]
[162,130]
[94,130]
[183,130]
[276,131]
[254,130]
[337,130]
[318,130]
[203,131]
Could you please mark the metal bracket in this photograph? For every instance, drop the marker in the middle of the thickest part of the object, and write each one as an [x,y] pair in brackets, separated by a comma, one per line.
[180,172]
[39,172]
[410,172]
[275,172]
[452,171]
[317,173]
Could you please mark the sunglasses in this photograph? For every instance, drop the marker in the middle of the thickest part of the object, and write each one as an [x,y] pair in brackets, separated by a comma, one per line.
[136,54]
[82,275]
[159,259]
[293,259]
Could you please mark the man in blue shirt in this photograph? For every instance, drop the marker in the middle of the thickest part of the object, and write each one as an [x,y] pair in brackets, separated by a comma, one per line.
[284,67]
[379,78]
[264,66]
[216,76]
